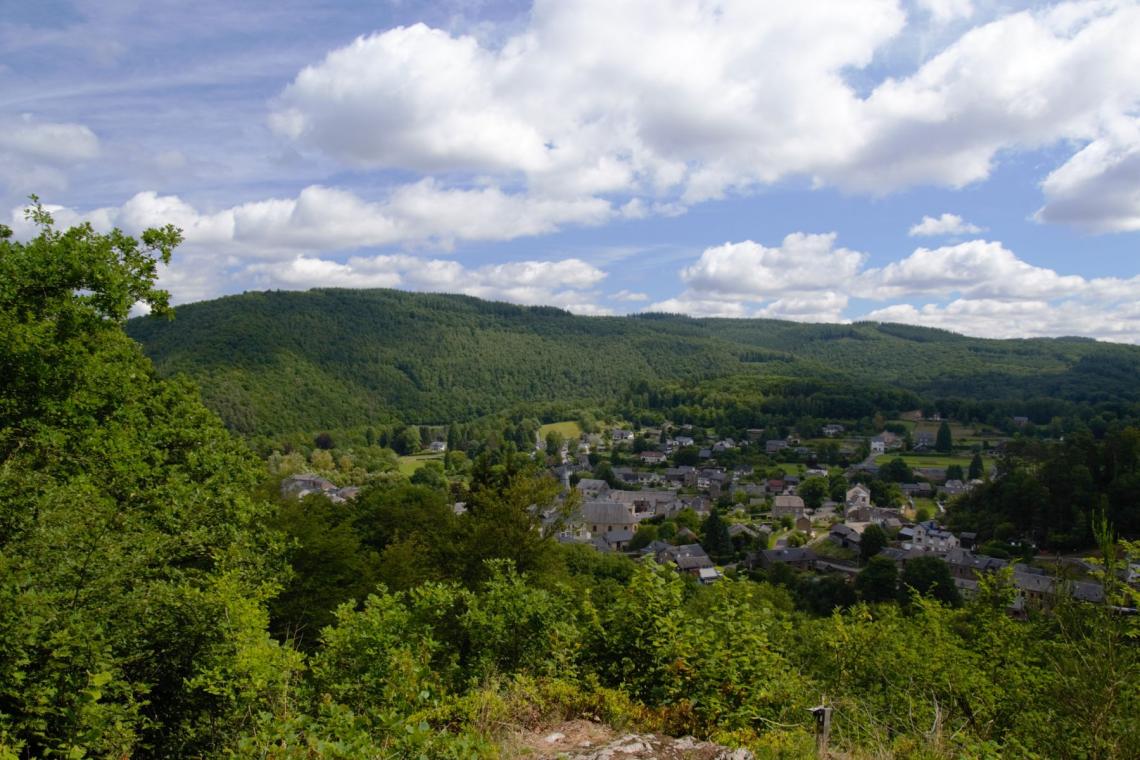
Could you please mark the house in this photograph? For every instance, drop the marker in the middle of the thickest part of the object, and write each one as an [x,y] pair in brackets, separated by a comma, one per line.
[845,536]
[912,490]
[1020,421]
[622,435]
[858,496]
[775,446]
[648,503]
[954,487]
[705,454]
[801,558]
[967,565]
[707,575]
[437,447]
[682,476]
[775,485]
[929,536]
[652,457]
[878,446]
[618,540]
[803,524]
[689,558]
[655,549]
[830,431]
[300,486]
[601,517]
[785,505]
[592,489]
[683,440]
[754,434]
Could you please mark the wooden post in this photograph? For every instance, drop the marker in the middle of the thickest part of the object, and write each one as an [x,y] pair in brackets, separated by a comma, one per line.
[822,714]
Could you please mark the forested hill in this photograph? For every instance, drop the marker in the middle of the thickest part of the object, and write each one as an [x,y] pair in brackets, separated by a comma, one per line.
[279,362]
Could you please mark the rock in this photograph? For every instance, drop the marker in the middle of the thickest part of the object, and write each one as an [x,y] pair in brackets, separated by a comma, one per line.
[555,738]
[653,747]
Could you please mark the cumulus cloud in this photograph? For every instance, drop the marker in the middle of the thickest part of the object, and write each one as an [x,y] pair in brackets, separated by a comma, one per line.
[994,318]
[802,262]
[977,268]
[628,295]
[1098,189]
[566,283]
[35,155]
[680,101]
[61,143]
[332,219]
[947,224]
[976,287]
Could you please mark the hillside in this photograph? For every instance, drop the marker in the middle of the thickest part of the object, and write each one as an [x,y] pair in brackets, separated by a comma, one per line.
[277,362]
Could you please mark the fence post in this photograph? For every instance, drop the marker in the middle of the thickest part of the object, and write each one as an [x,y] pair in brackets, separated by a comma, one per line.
[822,714]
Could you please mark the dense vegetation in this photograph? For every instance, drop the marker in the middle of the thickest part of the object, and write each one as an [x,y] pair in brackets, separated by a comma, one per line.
[1051,492]
[282,362]
[153,605]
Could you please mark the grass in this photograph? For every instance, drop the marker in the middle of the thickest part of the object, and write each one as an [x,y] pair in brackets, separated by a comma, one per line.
[935,460]
[570,430]
[409,464]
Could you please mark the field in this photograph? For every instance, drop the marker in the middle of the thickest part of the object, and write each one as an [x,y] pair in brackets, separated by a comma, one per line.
[939,460]
[569,430]
[409,464]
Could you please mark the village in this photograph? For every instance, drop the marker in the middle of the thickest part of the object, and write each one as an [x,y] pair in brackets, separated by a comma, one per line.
[768,519]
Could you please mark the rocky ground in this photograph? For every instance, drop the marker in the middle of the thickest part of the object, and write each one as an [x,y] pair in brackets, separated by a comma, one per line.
[583,740]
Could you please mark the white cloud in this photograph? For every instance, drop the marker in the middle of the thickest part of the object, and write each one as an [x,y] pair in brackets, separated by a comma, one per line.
[1098,188]
[325,218]
[667,102]
[566,283]
[628,295]
[35,156]
[947,224]
[976,287]
[57,143]
[993,318]
[802,262]
[945,11]
[976,268]
[696,307]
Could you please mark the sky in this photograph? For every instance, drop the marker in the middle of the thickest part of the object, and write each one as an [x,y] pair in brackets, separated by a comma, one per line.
[972,165]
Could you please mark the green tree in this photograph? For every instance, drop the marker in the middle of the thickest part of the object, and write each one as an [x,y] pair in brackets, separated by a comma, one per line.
[873,541]
[878,581]
[954,472]
[944,441]
[134,564]
[554,442]
[930,576]
[977,469]
[715,538]
[813,491]
[407,440]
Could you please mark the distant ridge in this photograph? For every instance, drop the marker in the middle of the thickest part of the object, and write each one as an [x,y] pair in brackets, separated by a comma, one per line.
[286,361]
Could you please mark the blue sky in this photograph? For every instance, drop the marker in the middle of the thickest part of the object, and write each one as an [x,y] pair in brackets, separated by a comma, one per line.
[966,164]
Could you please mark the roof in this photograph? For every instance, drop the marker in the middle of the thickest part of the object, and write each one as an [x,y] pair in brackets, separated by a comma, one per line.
[708,574]
[618,536]
[693,562]
[797,554]
[607,513]
[784,500]
[846,532]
